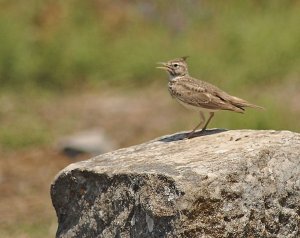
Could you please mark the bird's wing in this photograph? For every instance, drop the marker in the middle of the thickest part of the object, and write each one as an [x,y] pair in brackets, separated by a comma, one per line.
[195,93]
[238,102]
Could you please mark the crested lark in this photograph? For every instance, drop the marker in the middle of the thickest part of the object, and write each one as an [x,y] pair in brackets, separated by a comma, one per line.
[199,95]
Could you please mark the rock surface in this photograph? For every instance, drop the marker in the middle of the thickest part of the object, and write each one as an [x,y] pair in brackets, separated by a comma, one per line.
[240,183]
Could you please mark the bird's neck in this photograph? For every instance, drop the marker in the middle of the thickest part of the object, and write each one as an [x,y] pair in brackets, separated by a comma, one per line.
[173,78]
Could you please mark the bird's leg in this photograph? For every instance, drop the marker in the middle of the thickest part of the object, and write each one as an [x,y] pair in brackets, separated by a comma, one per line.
[211,114]
[201,122]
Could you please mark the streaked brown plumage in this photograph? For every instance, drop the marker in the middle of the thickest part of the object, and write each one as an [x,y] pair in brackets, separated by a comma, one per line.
[199,95]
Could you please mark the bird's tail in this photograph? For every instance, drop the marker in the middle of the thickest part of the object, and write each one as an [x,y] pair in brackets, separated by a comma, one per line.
[238,102]
[254,106]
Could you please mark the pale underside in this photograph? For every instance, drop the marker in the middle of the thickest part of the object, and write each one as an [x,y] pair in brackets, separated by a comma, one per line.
[195,108]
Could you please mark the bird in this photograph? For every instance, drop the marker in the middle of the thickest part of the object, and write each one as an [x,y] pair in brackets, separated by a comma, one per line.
[199,95]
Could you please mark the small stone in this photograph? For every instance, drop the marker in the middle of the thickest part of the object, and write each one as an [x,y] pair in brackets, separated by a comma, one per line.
[93,142]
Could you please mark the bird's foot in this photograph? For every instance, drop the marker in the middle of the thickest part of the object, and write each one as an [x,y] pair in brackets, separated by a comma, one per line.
[195,133]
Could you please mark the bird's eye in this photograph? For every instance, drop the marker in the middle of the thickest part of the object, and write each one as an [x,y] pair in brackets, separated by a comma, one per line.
[175,65]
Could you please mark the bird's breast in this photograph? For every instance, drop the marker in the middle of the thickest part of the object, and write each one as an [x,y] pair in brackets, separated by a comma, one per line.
[172,85]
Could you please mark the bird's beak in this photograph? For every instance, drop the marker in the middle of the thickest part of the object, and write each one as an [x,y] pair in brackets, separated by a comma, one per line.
[162,66]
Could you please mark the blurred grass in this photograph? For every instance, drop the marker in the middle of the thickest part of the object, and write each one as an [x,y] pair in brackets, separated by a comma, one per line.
[59,45]
[45,228]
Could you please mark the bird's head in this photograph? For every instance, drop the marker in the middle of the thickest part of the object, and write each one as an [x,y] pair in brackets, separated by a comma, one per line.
[176,67]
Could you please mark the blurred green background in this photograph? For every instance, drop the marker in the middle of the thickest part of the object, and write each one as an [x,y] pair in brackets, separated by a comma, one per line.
[61,60]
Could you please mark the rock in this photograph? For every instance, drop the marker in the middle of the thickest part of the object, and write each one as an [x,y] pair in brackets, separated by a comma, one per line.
[93,142]
[241,183]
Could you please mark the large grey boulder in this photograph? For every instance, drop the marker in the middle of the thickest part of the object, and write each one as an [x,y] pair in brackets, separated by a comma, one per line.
[239,183]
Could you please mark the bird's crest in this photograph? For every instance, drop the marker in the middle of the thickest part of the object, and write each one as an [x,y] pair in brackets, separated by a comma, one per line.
[184,58]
